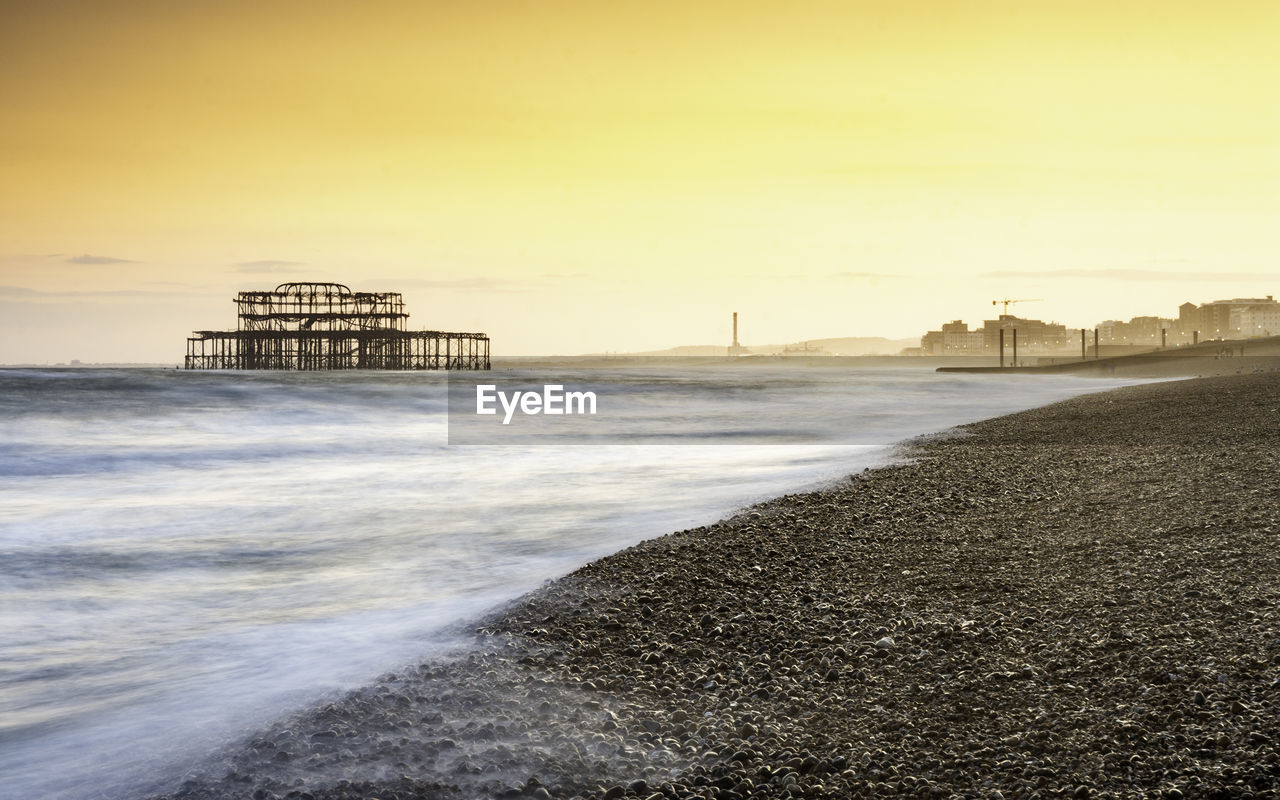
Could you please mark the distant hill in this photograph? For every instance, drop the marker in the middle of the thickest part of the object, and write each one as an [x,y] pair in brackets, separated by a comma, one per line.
[844,346]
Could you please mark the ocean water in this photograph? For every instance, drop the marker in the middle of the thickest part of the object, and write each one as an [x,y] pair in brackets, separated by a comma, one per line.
[184,555]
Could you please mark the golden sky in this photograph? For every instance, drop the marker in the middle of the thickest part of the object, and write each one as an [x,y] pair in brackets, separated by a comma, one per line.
[609,175]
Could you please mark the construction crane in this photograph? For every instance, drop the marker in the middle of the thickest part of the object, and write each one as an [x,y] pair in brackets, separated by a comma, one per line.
[1007,302]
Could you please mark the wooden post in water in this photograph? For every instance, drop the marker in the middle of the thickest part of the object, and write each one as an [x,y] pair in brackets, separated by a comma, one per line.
[1095,344]
[1002,348]
[1015,347]
[1082,351]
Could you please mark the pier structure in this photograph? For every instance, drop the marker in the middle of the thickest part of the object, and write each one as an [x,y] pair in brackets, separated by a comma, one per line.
[326,326]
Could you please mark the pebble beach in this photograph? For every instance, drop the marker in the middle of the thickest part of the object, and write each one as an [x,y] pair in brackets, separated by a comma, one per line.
[1081,600]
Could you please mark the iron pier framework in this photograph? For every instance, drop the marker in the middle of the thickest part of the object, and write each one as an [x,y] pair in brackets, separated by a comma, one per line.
[321,326]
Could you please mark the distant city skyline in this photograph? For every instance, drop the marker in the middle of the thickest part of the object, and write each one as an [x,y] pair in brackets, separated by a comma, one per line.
[1233,318]
[573,177]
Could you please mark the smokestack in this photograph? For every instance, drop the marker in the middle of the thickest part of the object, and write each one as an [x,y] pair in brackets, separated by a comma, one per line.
[735,329]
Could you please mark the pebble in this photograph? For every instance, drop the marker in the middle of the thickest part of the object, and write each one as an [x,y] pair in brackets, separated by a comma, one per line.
[1044,595]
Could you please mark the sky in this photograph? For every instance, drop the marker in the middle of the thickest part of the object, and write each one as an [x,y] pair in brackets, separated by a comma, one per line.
[574,177]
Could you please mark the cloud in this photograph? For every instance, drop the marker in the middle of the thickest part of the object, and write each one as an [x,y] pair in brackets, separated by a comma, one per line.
[845,275]
[477,284]
[1132,275]
[23,292]
[269,265]
[12,257]
[88,259]
[864,275]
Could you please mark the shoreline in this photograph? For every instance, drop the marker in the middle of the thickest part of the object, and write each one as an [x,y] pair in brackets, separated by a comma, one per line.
[1075,600]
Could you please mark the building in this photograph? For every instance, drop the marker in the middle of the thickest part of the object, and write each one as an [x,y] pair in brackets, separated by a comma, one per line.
[958,339]
[1239,318]
[1260,319]
[931,344]
[954,339]
[1034,336]
[737,349]
[1144,331]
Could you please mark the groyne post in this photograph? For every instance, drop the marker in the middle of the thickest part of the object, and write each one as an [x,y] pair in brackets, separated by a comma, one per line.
[1002,348]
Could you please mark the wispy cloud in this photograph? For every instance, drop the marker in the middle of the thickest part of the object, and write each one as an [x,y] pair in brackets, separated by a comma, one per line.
[12,257]
[90,259]
[476,284]
[25,293]
[270,265]
[864,275]
[1121,274]
[847,275]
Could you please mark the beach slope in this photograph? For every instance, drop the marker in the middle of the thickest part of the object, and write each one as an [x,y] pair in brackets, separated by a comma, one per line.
[1081,600]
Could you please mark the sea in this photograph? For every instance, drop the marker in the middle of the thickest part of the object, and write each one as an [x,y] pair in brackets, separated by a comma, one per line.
[185,556]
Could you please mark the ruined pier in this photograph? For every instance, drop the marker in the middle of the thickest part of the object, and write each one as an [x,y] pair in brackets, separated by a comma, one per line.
[326,326]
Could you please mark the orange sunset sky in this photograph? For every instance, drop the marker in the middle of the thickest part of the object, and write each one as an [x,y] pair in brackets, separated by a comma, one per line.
[584,176]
